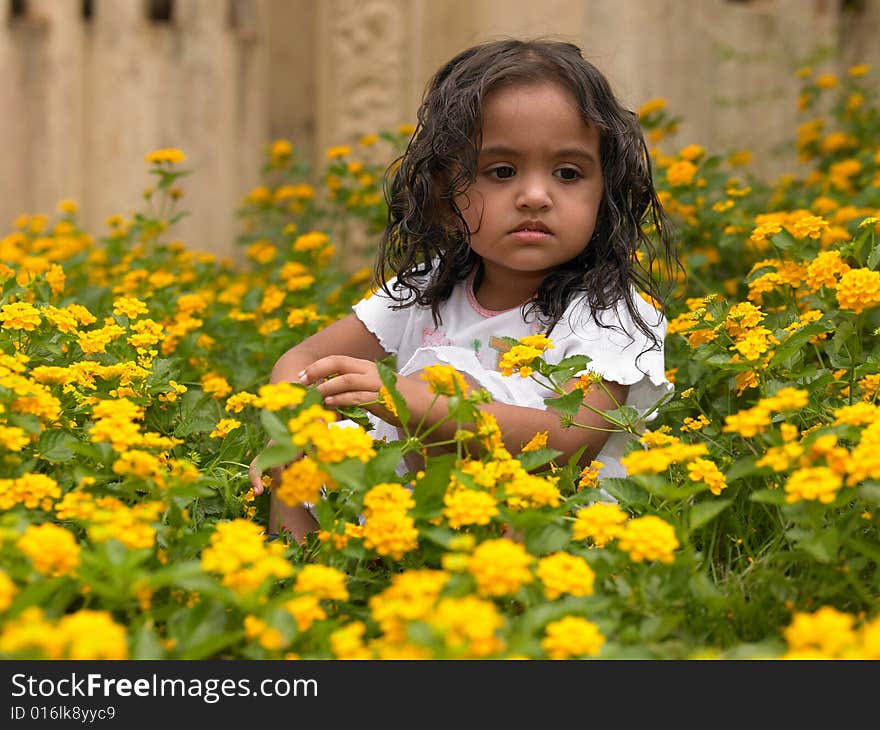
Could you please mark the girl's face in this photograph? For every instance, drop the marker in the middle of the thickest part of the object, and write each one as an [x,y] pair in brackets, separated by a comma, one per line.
[534,203]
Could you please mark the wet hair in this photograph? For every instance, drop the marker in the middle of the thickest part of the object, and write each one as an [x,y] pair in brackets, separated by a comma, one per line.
[426,232]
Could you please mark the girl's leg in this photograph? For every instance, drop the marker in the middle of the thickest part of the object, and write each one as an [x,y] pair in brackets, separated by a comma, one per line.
[296,519]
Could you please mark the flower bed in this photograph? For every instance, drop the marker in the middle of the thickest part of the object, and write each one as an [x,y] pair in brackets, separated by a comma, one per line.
[133,396]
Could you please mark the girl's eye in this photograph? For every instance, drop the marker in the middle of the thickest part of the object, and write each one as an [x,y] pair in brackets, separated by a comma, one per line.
[502,172]
[567,173]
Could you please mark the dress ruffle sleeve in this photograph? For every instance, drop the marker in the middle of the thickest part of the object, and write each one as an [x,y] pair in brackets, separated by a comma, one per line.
[619,351]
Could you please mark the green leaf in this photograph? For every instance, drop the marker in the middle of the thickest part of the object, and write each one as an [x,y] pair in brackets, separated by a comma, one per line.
[874,256]
[706,590]
[704,512]
[870,492]
[568,404]
[624,490]
[546,539]
[625,414]
[533,459]
[822,546]
[275,427]
[57,446]
[383,466]
[189,492]
[145,644]
[389,379]
[431,488]
[350,473]
[783,240]
[768,496]
[742,468]
[358,415]
[659,485]
[795,343]
[276,455]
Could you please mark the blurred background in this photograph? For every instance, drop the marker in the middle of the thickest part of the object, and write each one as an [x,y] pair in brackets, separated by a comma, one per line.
[89,87]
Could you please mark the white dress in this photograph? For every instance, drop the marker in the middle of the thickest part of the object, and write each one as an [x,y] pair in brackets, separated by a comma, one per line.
[469,339]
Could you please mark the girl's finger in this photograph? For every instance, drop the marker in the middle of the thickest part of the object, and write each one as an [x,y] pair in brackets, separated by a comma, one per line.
[256,478]
[350,398]
[349,383]
[332,365]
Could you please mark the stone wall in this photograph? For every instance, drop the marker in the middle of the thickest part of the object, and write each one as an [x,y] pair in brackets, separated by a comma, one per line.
[88,87]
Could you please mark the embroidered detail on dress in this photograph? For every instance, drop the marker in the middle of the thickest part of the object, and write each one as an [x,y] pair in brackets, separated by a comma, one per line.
[435,337]
[500,346]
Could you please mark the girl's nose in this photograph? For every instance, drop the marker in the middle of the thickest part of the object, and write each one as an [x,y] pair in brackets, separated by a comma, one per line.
[533,195]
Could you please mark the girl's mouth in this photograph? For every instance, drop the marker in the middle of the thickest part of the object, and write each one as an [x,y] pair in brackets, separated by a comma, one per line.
[531,231]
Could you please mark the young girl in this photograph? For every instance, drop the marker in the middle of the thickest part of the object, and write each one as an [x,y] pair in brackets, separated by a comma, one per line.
[519,207]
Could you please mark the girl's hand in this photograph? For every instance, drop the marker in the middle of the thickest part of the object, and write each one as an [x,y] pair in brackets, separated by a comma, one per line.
[348,381]
[256,476]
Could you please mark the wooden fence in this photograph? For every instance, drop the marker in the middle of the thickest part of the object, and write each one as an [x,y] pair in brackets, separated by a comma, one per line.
[88,87]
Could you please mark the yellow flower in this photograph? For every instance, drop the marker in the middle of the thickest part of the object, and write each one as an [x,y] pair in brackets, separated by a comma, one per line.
[747,423]
[538,441]
[337,444]
[280,151]
[599,522]
[90,634]
[813,483]
[571,637]
[169,155]
[826,631]
[651,106]
[860,69]
[347,642]
[858,414]
[469,626]
[703,470]
[19,316]
[826,81]
[589,476]
[500,567]
[519,359]
[215,385]
[339,151]
[469,507]
[8,590]
[302,481]
[237,402]
[648,538]
[562,573]
[131,307]
[388,528]
[13,438]
[826,270]
[310,241]
[239,552]
[681,173]
[305,611]
[275,396]
[858,290]
[692,152]
[52,549]
[443,379]
[322,581]
[224,427]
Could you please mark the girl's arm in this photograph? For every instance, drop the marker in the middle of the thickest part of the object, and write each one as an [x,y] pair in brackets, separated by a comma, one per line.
[347,336]
[357,383]
[518,424]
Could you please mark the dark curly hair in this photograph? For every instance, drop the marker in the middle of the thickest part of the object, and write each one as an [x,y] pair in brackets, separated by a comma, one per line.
[426,232]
